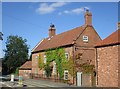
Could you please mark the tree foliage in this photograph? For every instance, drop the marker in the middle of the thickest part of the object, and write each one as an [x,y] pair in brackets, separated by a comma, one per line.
[16,53]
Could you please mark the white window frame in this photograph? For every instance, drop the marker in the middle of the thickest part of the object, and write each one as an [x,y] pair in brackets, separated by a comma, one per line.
[36,57]
[66,55]
[54,68]
[45,59]
[65,74]
[85,38]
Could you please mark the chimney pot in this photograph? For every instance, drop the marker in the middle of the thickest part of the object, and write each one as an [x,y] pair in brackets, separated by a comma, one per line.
[52,30]
[88,18]
[52,25]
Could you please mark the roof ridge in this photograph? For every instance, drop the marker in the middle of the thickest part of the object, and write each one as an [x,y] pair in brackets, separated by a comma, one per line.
[82,32]
[110,40]
[62,39]
[38,44]
[66,31]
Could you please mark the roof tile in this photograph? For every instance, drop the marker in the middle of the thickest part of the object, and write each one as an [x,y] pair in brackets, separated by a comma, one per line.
[114,38]
[27,65]
[63,39]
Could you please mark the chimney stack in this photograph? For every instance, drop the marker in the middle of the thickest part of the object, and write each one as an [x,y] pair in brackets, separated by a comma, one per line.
[88,18]
[119,25]
[52,30]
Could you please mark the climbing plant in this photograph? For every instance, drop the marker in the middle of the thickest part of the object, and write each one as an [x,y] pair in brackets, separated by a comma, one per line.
[41,62]
[69,65]
[48,70]
[57,55]
[60,59]
[83,65]
[88,68]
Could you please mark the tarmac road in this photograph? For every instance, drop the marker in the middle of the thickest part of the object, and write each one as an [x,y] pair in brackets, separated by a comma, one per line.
[33,84]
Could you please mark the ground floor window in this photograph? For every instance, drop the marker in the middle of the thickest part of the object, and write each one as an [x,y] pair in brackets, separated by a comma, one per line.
[65,74]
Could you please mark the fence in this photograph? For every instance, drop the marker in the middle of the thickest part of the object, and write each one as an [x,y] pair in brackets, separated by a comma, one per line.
[54,78]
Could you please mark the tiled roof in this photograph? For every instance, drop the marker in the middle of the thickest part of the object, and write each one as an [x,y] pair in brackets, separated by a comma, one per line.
[114,38]
[26,65]
[63,39]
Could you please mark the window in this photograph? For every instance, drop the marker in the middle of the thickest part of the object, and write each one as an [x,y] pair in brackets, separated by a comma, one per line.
[66,55]
[65,74]
[85,38]
[36,57]
[45,59]
[54,67]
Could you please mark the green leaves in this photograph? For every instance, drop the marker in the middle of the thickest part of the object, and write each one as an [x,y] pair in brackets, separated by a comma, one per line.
[48,70]
[41,62]
[57,55]
[88,68]
[16,52]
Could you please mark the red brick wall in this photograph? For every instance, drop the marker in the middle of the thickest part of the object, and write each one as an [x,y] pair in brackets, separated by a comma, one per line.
[107,58]
[25,73]
[35,66]
[34,63]
[87,48]
[119,66]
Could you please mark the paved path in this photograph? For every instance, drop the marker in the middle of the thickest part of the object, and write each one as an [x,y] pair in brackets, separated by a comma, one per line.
[35,83]
[43,83]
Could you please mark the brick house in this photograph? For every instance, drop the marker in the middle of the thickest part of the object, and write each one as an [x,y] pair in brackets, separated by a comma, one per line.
[108,63]
[81,39]
[25,69]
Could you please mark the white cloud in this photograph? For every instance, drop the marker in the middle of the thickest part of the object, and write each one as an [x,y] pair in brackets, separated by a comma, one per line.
[77,10]
[74,11]
[58,4]
[45,8]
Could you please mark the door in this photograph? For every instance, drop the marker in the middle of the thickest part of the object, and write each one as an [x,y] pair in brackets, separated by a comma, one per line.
[79,78]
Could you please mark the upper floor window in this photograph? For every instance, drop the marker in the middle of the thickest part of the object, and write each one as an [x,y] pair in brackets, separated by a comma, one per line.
[66,55]
[45,59]
[36,57]
[85,38]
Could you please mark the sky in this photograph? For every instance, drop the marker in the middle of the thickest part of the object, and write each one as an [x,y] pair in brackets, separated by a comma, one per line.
[31,20]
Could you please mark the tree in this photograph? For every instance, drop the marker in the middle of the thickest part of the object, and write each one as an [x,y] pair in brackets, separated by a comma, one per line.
[16,53]
[1,36]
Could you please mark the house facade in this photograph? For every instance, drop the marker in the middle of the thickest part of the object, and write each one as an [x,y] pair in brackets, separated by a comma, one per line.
[80,40]
[108,63]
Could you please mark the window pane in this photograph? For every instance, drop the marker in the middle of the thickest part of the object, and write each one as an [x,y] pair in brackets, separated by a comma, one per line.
[45,59]
[85,38]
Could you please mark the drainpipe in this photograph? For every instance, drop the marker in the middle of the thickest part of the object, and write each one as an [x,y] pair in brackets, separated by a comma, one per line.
[96,67]
[73,58]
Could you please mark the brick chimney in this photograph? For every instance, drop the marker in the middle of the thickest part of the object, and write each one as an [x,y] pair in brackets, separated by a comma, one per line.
[88,18]
[52,30]
[118,25]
